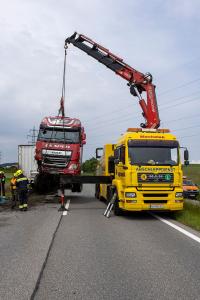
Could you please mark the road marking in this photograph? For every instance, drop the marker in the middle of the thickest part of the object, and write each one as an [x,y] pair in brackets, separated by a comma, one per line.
[67,207]
[192,236]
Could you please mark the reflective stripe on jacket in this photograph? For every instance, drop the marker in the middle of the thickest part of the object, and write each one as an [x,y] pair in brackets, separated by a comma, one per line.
[22,182]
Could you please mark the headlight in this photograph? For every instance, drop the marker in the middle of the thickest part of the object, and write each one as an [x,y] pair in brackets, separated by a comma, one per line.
[130,195]
[179,195]
[73,167]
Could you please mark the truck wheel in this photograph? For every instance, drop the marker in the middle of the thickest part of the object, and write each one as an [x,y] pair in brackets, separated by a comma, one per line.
[102,199]
[41,184]
[117,210]
[97,191]
[77,188]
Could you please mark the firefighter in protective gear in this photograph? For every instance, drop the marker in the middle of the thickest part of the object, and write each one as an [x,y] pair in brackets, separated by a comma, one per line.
[2,184]
[22,190]
[13,189]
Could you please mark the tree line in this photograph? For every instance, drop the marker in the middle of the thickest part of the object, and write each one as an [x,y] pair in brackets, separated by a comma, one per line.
[89,166]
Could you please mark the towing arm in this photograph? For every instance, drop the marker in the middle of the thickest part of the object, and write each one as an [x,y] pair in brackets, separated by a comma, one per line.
[137,81]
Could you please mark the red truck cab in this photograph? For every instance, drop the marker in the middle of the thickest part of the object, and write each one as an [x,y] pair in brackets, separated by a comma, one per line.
[59,146]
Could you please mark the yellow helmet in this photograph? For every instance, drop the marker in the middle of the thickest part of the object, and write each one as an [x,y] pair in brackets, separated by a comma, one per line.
[1,172]
[19,172]
[15,174]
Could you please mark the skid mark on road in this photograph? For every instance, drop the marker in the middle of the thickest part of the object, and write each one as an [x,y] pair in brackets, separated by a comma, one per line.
[185,232]
[45,261]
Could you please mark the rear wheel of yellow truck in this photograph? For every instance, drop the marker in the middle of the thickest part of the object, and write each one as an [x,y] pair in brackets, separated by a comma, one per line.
[97,191]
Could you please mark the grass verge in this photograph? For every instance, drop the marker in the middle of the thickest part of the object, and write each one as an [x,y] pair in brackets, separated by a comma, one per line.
[189,216]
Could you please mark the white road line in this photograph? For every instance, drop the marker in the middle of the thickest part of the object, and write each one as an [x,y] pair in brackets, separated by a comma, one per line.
[192,236]
[67,207]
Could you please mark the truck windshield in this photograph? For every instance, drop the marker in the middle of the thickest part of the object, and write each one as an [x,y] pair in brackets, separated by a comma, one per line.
[58,135]
[153,156]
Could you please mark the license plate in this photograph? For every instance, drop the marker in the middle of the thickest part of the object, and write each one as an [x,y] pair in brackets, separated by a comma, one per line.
[156,206]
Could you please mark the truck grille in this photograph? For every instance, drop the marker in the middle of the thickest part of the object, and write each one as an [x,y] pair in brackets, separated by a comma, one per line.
[57,162]
[154,178]
[155,201]
[155,195]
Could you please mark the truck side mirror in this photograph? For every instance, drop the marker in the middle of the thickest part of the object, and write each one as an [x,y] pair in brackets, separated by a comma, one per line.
[99,152]
[83,138]
[186,154]
[186,157]
[111,164]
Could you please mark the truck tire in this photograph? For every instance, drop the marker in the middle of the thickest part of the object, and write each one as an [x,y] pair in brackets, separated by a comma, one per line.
[41,184]
[97,191]
[117,210]
[77,188]
[110,192]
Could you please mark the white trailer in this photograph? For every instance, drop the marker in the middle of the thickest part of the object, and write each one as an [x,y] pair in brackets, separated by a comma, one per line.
[27,162]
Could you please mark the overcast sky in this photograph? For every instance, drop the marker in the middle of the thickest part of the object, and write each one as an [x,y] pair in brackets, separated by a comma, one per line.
[160,37]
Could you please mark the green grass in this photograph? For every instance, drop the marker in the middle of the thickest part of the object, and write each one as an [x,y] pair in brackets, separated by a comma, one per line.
[189,216]
[193,172]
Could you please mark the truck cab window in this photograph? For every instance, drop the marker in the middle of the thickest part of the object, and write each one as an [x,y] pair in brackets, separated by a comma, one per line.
[59,135]
[120,154]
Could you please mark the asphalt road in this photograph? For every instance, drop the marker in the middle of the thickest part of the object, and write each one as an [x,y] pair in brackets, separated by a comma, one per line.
[83,255]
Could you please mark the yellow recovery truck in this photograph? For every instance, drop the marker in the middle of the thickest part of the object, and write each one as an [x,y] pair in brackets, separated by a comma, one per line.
[146,171]
[143,170]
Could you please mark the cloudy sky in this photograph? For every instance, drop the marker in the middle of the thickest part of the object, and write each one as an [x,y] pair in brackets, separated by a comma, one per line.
[160,37]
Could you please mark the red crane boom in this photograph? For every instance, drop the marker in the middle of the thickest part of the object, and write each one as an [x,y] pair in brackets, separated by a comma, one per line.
[137,81]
